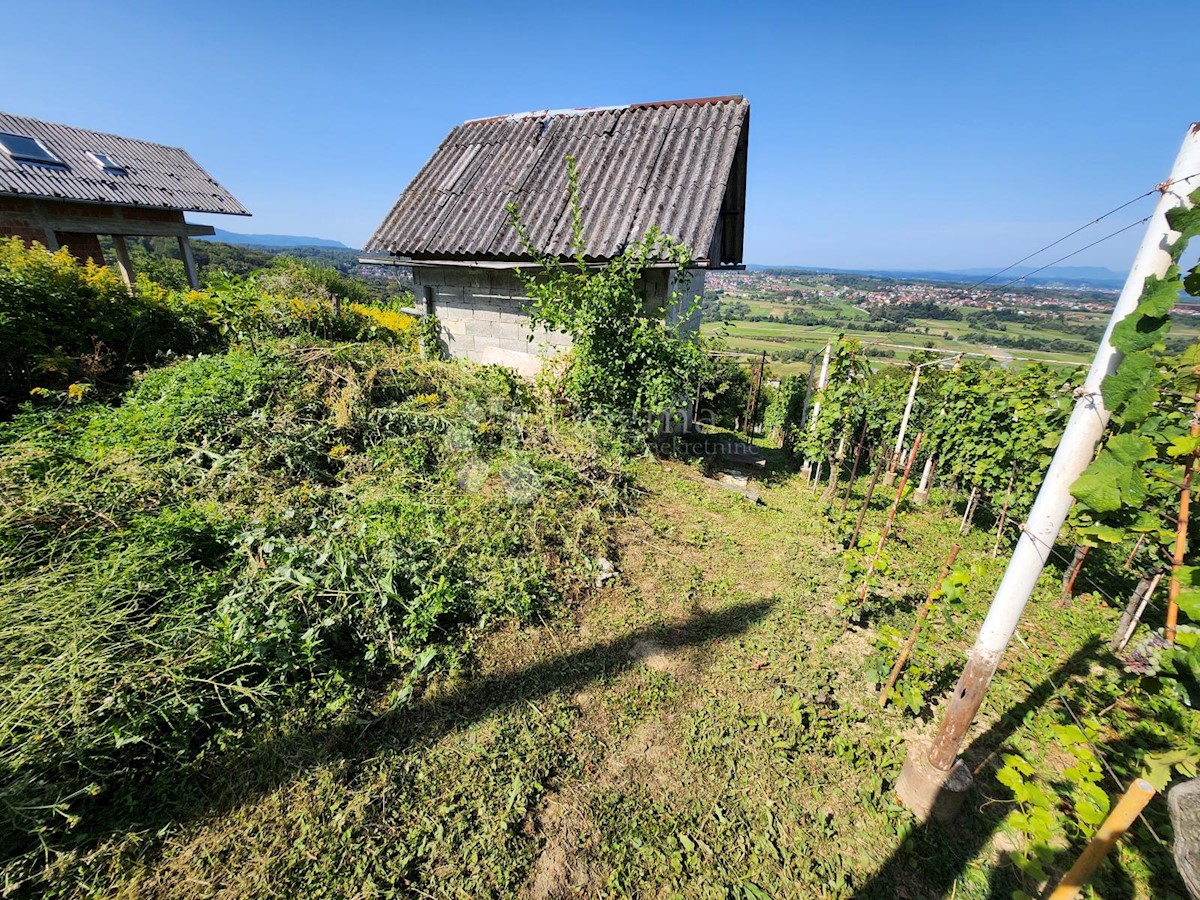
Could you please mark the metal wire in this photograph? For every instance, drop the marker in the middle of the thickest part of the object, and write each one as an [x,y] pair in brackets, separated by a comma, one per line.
[1076,252]
[1116,209]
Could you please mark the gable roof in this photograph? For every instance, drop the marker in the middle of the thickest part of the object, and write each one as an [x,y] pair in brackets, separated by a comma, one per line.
[680,165]
[155,175]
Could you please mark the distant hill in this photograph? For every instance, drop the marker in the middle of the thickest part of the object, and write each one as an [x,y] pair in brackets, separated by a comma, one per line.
[1093,277]
[272,240]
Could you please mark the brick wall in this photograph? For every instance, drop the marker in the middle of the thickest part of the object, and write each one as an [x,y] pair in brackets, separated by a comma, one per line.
[82,246]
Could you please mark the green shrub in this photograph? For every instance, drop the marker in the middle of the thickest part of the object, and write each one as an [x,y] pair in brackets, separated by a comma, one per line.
[62,321]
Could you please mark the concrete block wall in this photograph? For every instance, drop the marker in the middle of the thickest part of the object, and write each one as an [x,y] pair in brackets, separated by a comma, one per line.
[483,318]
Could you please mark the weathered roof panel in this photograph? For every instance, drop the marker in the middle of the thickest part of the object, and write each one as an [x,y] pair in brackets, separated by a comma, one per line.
[651,164]
[155,175]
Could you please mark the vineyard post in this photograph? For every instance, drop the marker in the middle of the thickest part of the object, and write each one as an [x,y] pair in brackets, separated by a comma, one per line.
[921,496]
[934,780]
[890,477]
[816,407]
[912,396]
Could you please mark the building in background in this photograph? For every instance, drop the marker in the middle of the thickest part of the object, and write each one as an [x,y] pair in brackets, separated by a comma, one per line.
[62,186]
[679,165]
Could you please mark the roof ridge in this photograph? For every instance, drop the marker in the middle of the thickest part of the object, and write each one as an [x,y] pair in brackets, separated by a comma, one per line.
[587,110]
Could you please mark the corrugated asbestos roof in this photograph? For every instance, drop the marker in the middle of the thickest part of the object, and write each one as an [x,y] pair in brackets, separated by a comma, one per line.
[666,164]
[156,176]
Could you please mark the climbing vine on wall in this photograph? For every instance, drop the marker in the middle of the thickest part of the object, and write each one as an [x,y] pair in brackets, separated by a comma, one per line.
[628,362]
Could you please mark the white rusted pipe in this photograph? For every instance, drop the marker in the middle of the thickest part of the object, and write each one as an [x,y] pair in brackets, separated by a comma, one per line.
[912,395]
[925,473]
[816,410]
[1075,451]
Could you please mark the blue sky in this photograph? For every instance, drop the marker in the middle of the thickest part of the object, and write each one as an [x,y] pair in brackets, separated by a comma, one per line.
[889,135]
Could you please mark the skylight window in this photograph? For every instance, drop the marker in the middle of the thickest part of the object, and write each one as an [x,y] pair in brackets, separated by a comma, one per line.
[27,149]
[106,163]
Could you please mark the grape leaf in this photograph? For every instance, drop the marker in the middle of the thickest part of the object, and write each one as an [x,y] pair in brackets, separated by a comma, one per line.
[1159,296]
[1113,479]
[1183,446]
[1137,332]
[1132,389]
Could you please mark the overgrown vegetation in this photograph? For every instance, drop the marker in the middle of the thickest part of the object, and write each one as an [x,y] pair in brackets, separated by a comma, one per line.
[308,516]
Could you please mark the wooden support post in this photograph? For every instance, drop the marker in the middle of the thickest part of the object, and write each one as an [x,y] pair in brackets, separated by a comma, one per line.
[912,635]
[887,525]
[1128,808]
[1068,591]
[189,262]
[858,449]
[862,513]
[1133,612]
[123,265]
[1181,529]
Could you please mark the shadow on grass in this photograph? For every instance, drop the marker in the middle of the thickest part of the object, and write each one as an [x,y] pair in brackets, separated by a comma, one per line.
[237,779]
[937,854]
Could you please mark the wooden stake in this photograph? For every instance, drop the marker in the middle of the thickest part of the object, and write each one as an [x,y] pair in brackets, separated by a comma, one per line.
[912,635]
[1004,512]
[1133,615]
[1181,527]
[862,513]
[858,449]
[1133,552]
[1128,808]
[1081,552]
[891,517]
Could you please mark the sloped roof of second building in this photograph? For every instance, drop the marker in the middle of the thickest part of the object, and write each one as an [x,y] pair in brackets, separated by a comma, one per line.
[151,175]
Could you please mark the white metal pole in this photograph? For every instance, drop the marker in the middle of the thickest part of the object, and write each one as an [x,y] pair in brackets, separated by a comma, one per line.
[824,368]
[816,410]
[924,485]
[912,395]
[1074,453]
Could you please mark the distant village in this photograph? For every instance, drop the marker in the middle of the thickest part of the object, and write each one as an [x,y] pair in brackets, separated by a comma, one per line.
[792,286]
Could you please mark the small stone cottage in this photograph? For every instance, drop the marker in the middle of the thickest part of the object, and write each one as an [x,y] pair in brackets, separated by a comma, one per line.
[679,165]
[62,186]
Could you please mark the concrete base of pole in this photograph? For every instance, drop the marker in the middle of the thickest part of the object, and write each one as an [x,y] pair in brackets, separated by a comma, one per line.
[920,498]
[928,791]
[889,478]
